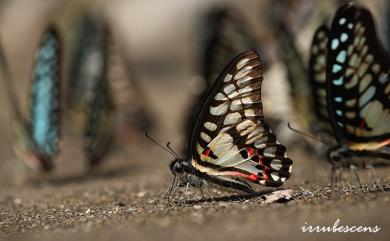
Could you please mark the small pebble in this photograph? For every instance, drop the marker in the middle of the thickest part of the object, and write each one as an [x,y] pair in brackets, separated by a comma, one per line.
[17,201]
[88,211]
[197,207]
[141,194]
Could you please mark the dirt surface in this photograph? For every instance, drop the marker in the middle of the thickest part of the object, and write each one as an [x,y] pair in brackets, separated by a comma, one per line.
[121,200]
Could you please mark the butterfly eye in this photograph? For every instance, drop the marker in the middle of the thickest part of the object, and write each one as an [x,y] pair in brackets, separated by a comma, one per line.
[177,167]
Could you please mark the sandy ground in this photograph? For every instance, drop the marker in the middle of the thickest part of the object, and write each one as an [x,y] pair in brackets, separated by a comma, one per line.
[121,200]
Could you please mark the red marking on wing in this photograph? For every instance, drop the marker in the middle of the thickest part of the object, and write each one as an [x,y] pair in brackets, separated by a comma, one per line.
[250,177]
[206,152]
[251,151]
[362,124]
[265,175]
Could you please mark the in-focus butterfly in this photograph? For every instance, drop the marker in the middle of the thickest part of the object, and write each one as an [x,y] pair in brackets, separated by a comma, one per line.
[224,36]
[231,144]
[89,98]
[38,135]
[358,87]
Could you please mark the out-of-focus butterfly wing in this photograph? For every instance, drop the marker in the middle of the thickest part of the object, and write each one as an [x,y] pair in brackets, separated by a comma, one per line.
[358,83]
[86,67]
[89,96]
[225,35]
[45,102]
[231,141]
[301,92]
[317,78]
[385,22]
[99,126]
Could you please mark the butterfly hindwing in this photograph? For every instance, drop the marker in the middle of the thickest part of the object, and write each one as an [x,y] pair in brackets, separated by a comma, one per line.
[358,83]
[231,139]
[45,104]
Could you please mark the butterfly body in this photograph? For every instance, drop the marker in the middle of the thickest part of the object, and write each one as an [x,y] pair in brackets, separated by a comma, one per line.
[231,145]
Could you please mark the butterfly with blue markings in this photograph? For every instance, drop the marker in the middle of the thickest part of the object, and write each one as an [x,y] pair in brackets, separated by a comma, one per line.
[38,135]
[89,96]
[358,87]
[231,144]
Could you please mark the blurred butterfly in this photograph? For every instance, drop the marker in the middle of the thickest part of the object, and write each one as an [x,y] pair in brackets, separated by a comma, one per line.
[385,22]
[89,98]
[224,35]
[317,80]
[38,135]
[307,83]
[231,144]
[358,87]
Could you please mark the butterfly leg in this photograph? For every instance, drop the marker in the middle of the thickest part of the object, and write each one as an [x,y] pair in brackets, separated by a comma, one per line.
[353,170]
[332,177]
[376,178]
[335,176]
[201,192]
[168,192]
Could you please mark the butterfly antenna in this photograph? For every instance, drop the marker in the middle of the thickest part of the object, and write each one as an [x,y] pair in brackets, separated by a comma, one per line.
[158,144]
[307,135]
[169,147]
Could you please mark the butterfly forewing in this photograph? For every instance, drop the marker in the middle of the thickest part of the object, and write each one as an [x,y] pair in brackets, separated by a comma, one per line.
[231,139]
[45,91]
[225,36]
[358,78]
[296,75]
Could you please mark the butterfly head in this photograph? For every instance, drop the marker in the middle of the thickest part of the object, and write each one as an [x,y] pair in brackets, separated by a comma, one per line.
[178,166]
[337,155]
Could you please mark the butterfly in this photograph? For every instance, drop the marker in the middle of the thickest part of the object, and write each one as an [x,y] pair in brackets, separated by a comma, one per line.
[38,135]
[385,22]
[307,82]
[224,35]
[89,96]
[358,87]
[317,80]
[231,144]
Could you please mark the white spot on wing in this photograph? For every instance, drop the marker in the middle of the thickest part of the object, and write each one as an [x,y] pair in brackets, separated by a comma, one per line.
[210,126]
[244,125]
[227,78]
[236,105]
[244,71]
[232,118]
[205,137]
[275,176]
[220,109]
[242,63]
[220,97]
[276,164]
[229,89]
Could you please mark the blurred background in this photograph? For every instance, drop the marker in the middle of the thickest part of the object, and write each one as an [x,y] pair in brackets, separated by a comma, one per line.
[160,42]
[159,78]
